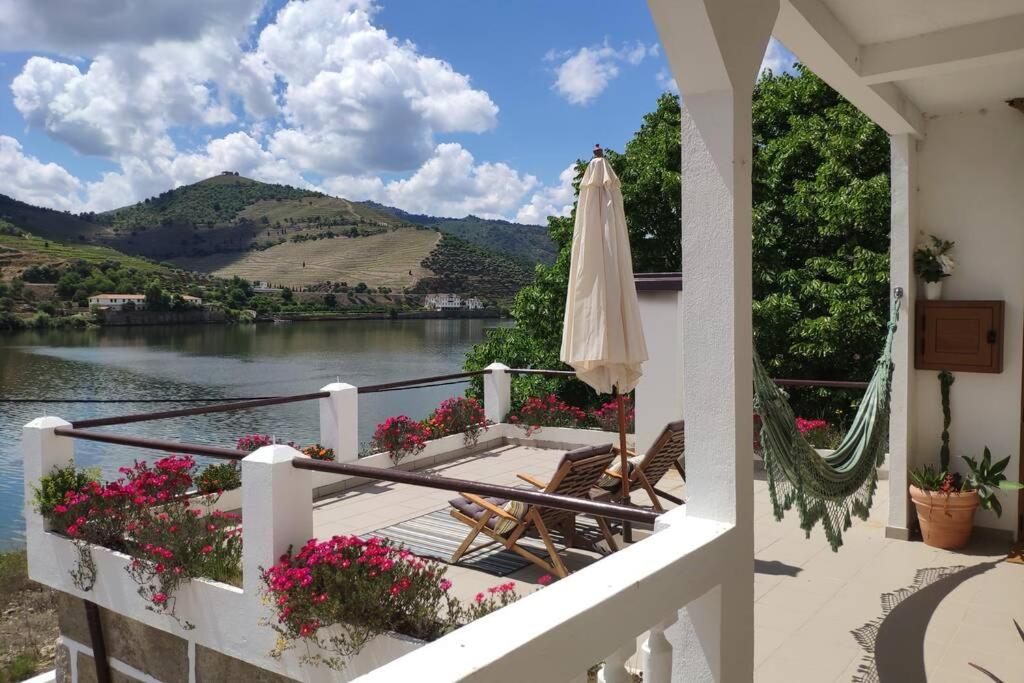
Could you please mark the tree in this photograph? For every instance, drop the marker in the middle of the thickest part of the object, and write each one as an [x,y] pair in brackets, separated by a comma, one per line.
[330,301]
[156,298]
[821,240]
[821,236]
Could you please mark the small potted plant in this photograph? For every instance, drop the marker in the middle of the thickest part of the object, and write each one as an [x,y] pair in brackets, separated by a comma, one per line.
[946,501]
[933,264]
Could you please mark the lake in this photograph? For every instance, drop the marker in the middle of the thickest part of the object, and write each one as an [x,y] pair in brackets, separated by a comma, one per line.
[215,361]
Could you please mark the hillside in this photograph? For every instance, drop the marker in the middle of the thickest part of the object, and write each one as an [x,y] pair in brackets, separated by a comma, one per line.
[56,225]
[528,243]
[392,259]
[459,266]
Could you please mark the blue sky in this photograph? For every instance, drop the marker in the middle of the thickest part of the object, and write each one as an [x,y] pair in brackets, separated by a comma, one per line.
[437,107]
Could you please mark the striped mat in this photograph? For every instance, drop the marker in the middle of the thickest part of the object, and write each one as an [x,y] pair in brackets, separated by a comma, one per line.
[437,535]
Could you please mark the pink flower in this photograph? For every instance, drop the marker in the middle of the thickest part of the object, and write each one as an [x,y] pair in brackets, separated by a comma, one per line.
[445,584]
[159,598]
[545,580]
[207,549]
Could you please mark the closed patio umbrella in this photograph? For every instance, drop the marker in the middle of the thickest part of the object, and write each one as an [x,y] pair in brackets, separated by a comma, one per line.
[602,336]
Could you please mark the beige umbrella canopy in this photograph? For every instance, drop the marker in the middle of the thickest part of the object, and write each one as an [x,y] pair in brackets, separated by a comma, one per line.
[602,336]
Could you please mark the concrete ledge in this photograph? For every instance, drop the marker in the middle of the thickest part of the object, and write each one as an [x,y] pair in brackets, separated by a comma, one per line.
[898,533]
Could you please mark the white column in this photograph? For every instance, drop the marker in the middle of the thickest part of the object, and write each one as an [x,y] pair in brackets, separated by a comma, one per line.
[277,510]
[614,669]
[903,219]
[715,48]
[497,392]
[339,421]
[659,395]
[41,452]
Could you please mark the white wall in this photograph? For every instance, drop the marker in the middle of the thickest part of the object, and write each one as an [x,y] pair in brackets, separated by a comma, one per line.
[971,170]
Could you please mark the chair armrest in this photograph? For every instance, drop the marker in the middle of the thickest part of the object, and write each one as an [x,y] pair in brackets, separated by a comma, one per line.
[488,506]
[629,453]
[611,473]
[532,480]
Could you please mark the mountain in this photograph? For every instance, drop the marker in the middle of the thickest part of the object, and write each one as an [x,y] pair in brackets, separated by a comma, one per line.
[230,225]
[528,243]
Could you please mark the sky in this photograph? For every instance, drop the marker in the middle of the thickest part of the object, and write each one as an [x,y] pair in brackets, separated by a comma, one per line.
[447,107]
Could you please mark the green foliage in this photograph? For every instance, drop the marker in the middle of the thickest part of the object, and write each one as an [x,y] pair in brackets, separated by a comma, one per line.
[986,477]
[219,477]
[945,382]
[210,202]
[459,266]
[927,478]
[54,486]
[22,667]
[821,235]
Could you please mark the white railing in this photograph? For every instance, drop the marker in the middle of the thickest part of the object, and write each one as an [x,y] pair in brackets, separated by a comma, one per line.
[595,615]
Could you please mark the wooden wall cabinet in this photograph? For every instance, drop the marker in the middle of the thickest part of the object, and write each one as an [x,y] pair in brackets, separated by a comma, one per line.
[962,336]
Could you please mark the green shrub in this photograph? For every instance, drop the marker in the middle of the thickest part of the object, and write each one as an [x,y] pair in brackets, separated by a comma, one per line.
[219,477]
[54,487]
[21,668]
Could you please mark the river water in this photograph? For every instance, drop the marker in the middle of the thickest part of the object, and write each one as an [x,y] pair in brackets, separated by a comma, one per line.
[218,361]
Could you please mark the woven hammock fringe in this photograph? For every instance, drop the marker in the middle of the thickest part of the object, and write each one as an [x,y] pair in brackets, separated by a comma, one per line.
[831,489]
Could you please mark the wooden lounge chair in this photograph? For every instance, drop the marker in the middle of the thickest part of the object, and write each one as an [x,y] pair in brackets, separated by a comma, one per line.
[647,470]
[506,522]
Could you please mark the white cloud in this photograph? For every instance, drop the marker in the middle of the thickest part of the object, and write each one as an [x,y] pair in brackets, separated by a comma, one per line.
[357,100]
[666,81]
[450,183]
[26,178]
[553,200]
[83,26]
[582,76]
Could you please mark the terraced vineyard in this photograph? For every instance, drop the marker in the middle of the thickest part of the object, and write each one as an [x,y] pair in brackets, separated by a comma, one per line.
[382,259]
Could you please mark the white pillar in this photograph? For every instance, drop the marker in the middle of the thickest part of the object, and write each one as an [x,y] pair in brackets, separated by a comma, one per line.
[41,452]
[659,394]
[497,392]
[277,510]
[339,421]
[903,219]
[715,48]
[614,669]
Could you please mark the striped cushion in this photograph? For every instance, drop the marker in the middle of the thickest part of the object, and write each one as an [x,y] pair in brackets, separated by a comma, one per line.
[610,483]
[513,507]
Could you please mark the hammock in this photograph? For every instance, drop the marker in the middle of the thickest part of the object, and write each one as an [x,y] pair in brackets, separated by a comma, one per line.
[833,488]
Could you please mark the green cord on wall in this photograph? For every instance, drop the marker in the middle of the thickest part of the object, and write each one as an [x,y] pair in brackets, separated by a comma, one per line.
[945,382]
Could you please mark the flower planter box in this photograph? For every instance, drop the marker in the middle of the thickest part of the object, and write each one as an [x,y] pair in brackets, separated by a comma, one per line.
[946,520]
[228,501]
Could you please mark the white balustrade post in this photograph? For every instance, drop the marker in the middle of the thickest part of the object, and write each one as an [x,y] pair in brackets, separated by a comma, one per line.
[497,392]
[277,510]
[41,452]
[656,652]
[614,669]
[339,421]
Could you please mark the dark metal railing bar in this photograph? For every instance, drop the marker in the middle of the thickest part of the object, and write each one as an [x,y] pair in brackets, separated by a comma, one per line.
[540,371]
[155,444]
[421,386]
[203,410]
[551,500]
[826,384]
[374,388]
[134,400]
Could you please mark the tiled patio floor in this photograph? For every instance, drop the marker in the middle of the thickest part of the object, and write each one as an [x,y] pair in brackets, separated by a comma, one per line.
[809,600]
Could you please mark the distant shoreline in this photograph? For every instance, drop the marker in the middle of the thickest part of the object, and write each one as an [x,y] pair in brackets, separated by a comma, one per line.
[399,315]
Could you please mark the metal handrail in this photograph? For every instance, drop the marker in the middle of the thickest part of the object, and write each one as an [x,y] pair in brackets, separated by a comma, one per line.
[202,410]
[827,384]
[542,372]
[412,383]
[550,500]
[155,444]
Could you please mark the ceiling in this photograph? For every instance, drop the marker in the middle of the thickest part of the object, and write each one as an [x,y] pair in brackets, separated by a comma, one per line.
[879,21]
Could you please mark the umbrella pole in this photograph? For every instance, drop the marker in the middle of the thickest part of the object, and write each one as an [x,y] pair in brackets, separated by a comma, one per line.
[627,528]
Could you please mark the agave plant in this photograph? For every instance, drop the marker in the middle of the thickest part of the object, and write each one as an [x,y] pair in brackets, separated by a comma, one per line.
[1020,632]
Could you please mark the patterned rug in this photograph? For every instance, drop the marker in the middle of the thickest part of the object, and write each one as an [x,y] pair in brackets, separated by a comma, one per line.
[438,535]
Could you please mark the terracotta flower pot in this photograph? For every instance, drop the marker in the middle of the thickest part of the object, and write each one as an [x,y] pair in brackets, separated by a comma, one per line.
[946,519]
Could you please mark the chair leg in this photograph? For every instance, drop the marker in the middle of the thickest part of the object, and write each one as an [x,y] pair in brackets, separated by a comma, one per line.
[602,523]
[669,497]
[650,491]
[680,469]
[556,559]
[474,532]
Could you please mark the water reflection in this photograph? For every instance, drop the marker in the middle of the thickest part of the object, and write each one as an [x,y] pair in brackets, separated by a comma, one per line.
[215,361]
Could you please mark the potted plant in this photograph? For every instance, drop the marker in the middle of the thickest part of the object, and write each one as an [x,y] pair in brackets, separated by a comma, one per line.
[933,263]
[946,501]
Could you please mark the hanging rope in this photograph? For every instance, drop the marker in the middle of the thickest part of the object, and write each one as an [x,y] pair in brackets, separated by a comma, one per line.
[833,488]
